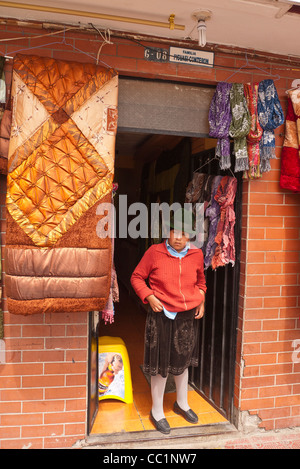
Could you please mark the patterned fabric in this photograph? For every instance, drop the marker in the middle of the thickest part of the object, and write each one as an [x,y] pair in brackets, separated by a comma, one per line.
[295,98]
[213,214]
[219,122]
[60,164]
[290,161]
[108,312]
[170,346]
[256,131]
[225,230]
[61,147]
[240,126]
[270,117]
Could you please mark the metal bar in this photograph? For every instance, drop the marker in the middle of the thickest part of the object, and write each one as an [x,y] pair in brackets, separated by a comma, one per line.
[202,355]
[225,312]
[90,14]
[235,297]
[212,350]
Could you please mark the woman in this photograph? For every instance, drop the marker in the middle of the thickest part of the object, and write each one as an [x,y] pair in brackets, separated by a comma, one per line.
[176,292]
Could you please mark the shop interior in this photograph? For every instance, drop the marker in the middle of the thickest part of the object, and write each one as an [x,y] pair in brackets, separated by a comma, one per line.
[136,156]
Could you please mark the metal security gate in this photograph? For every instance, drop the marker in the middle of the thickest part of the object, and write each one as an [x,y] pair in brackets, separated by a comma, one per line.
[214,378]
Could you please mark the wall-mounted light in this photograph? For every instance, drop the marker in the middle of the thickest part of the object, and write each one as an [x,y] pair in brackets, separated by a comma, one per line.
[201,16]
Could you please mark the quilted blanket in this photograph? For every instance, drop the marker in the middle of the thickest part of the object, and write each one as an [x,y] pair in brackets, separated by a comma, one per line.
[60,167]
[290,156]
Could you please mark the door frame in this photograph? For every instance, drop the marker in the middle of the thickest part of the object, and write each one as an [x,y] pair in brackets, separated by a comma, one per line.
[229,414]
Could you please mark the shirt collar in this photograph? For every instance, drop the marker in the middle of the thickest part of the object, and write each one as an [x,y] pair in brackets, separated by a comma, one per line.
[183,251]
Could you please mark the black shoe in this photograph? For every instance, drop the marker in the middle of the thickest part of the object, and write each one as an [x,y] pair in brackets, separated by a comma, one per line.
[189,415]
[161,425]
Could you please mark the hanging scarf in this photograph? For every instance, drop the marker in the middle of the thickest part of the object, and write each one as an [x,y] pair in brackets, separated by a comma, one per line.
[225,196]
[294,96]
[240,126]
[255,133]
[108,313]
[195,188]
[213,214]
[290,161]
[270,117]
[2,81]
[219,118]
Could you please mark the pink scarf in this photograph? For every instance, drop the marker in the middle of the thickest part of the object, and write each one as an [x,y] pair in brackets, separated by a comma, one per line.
[225,196]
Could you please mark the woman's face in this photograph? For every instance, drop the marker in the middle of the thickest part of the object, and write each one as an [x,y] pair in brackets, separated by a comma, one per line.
[178,240]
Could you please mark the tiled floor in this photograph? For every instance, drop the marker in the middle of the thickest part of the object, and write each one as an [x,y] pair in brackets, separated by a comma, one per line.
[116,416]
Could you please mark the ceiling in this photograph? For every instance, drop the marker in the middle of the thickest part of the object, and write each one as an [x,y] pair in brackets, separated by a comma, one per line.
[263,25]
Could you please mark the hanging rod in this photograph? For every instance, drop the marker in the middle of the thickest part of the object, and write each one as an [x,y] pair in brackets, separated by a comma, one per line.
[64,11]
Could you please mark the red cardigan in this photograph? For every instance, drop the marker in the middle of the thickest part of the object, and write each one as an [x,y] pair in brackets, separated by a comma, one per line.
[175,282]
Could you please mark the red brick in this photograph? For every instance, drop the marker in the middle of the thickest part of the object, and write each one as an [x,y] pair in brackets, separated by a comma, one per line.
[282,401]
[279,302]
[70,392]
[60,442]
[43,381]
[21,443]
[42,430]
[255,404]
[130,50]
[20,420]
[283,279]
[288,422]
[64,417]
[264,291]
[282,233]
[43,331]
[280,324]
[264,198]
[276,369]
[265,245]
[260,359]
[9,432]
[65,368]
[44,356]
[22,395]
[43,406]
[75,429]
[250,337]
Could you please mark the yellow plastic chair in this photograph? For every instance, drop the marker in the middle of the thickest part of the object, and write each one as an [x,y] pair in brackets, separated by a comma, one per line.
[114,378]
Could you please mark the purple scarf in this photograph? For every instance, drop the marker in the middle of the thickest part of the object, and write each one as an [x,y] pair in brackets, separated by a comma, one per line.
[213,213]
[219,118]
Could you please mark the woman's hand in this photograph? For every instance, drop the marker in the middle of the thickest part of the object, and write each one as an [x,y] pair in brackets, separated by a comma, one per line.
[154,302]
[199,312]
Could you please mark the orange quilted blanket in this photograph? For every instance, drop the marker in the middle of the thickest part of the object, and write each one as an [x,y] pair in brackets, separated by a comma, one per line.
[60,167]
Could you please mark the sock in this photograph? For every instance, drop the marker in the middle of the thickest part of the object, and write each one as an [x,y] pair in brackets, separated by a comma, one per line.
[158,384]
[181,382]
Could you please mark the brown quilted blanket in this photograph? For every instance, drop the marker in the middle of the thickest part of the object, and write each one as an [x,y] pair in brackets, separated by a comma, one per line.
[60,167]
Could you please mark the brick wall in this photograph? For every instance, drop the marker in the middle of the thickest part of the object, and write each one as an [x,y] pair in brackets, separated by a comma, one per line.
[268,377]
[43,383]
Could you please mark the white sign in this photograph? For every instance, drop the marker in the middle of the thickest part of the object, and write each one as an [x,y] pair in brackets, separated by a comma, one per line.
[191,57]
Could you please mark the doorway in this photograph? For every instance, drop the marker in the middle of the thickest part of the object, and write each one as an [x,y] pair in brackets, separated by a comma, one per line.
[166,124]
[211,385]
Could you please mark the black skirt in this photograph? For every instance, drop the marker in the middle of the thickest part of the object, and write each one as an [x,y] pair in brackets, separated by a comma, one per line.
[171,346]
